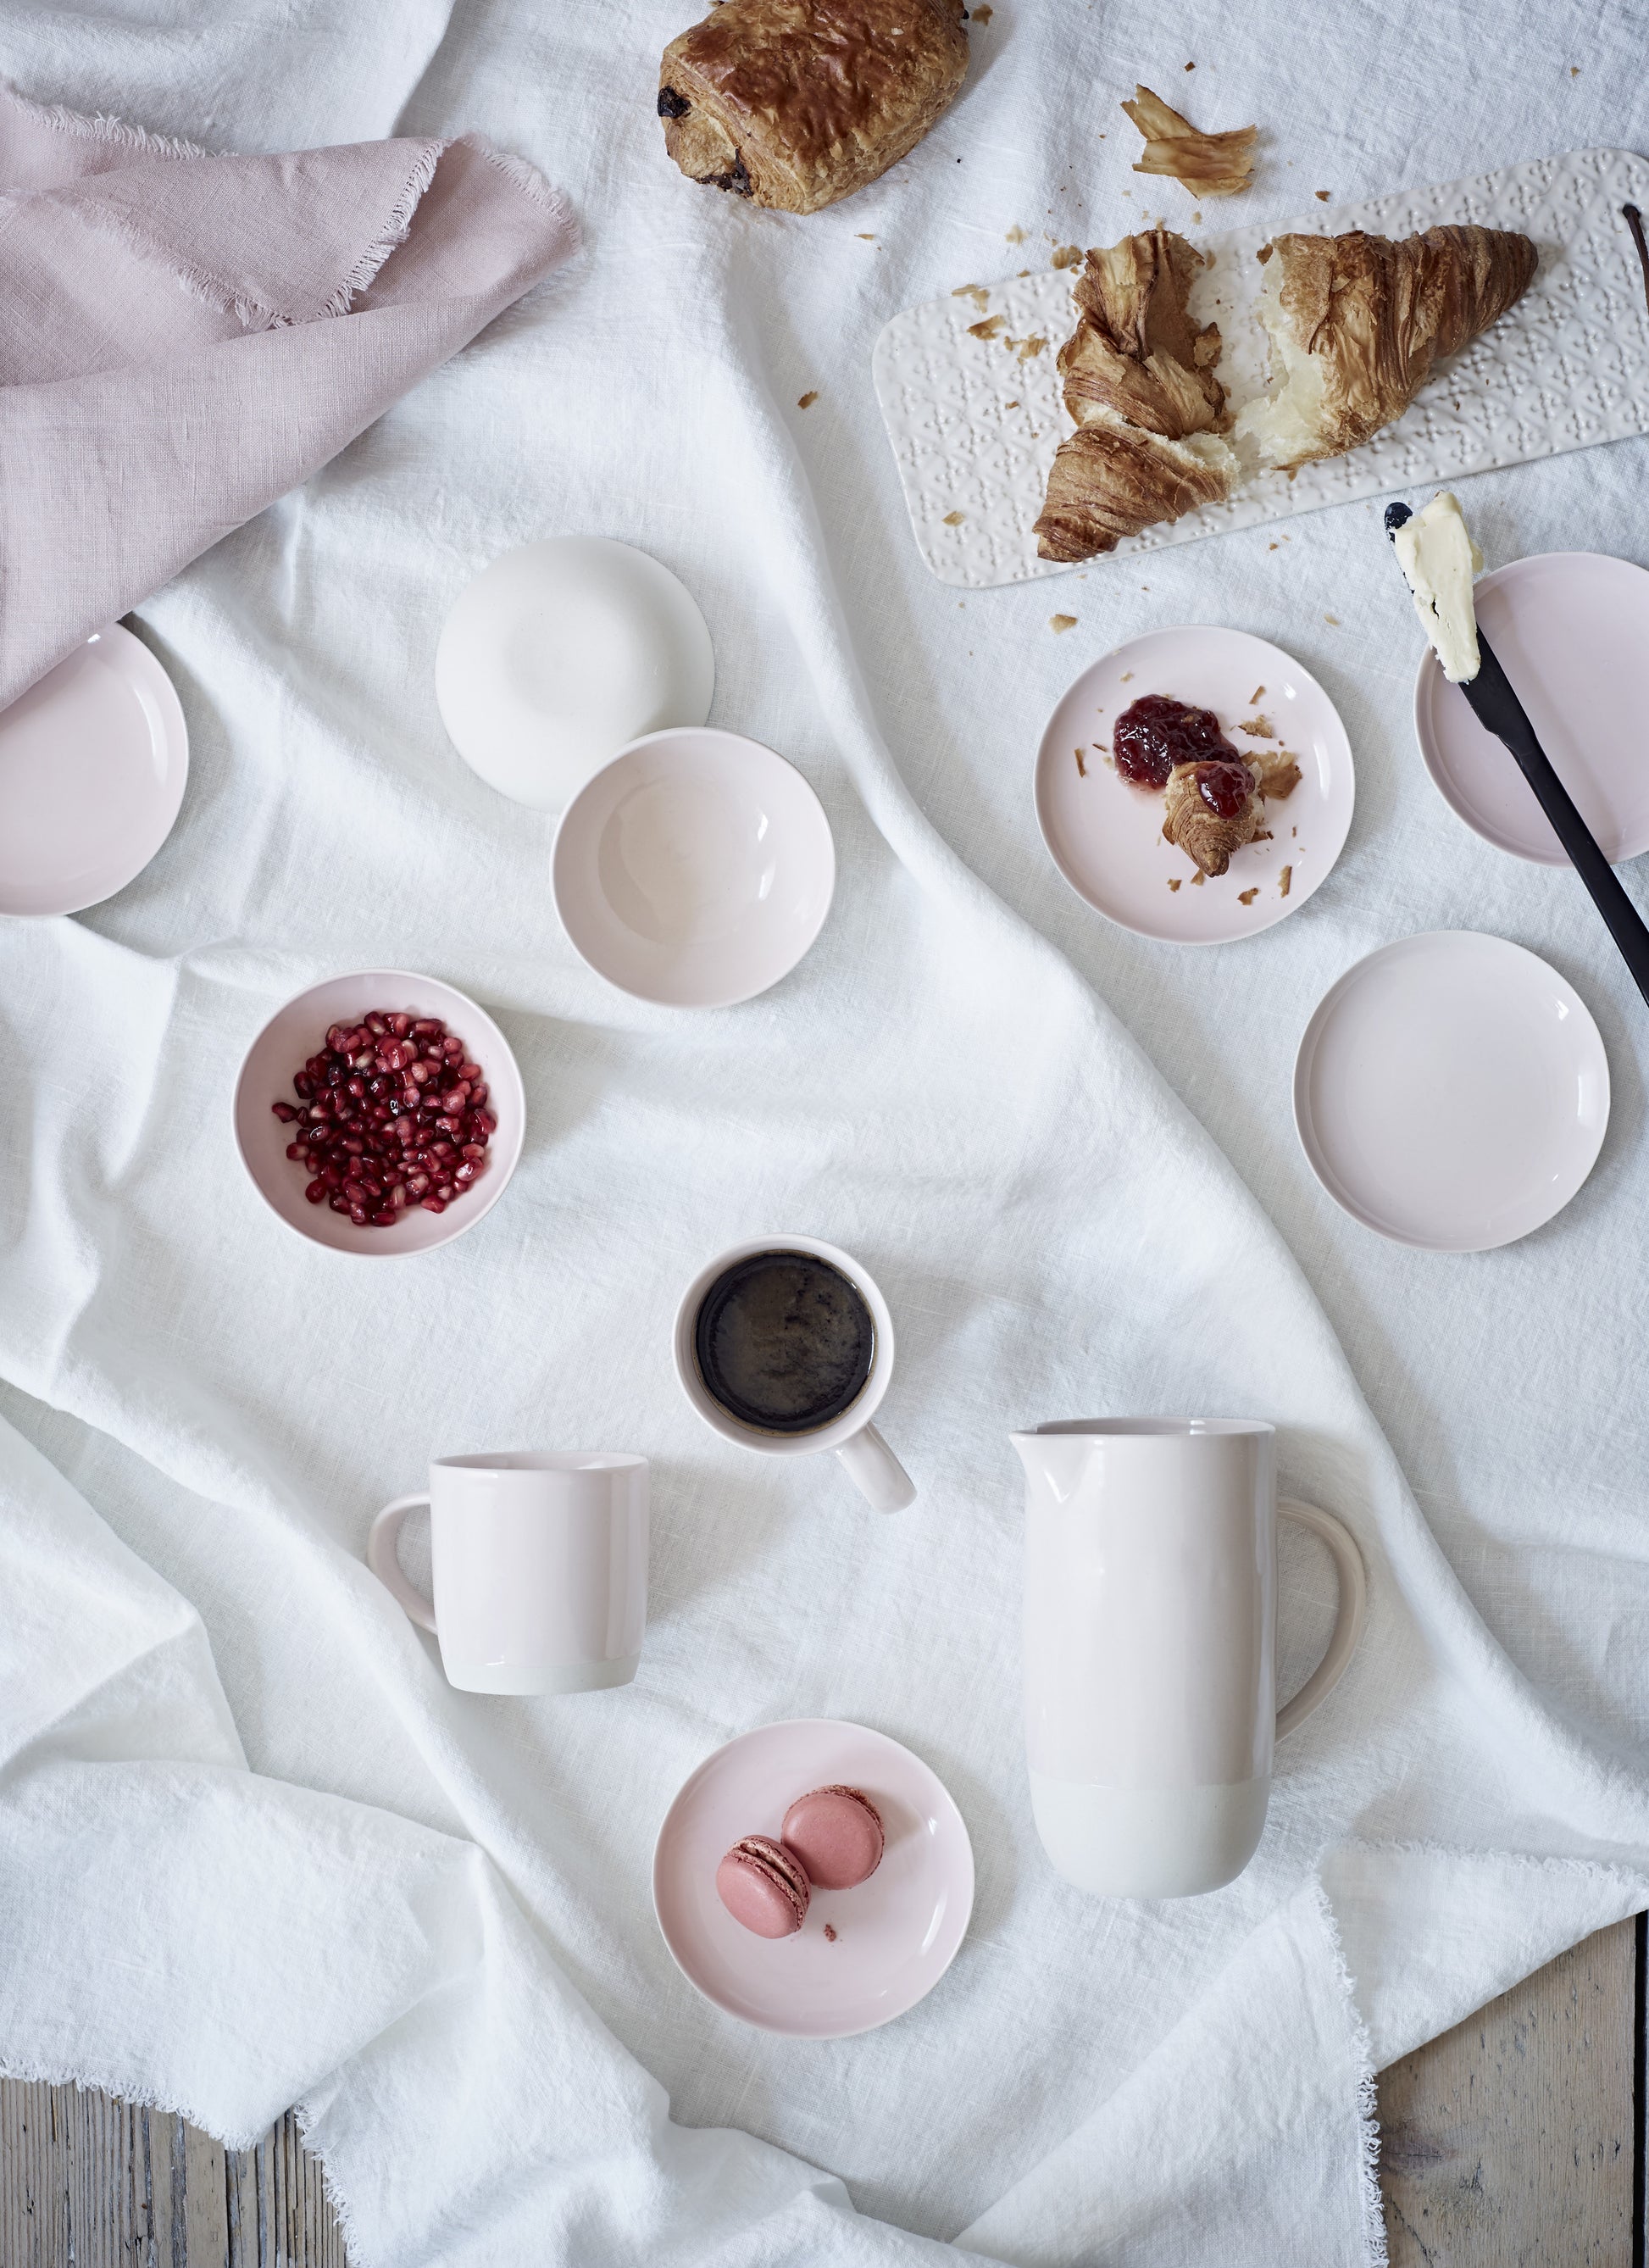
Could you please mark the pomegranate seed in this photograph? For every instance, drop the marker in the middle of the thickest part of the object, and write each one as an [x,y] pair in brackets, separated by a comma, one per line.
[284,1112]
[474,1151]
[384,1218]
[435,1204]
[401,1025]
[416,1184]
[464,1175]
[295,1152]
[478,1094]
[315,1192]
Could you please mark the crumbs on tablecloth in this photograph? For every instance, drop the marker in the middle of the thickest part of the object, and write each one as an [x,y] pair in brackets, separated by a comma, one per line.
[954,518]
[1067,255]
[865,236]
[1082,768]
[1247,897]
[830,1935]
[1321,195]
[1283,881]
[981,15]
[1016,235]
[806,400]
[1058,622]
[1335,619]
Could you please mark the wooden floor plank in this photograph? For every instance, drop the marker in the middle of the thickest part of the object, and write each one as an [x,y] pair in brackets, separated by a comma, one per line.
[1509,2143]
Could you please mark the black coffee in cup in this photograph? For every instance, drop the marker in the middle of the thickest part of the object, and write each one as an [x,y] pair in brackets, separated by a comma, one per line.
[784,1341]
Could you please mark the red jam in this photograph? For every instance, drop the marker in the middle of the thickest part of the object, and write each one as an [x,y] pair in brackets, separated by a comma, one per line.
[1225,788]
[1156,733]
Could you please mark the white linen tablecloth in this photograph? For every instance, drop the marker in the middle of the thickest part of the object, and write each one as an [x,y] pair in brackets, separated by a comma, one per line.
[252,1849]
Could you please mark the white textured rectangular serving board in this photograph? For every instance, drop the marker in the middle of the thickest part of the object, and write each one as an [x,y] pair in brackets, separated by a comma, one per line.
[975,422]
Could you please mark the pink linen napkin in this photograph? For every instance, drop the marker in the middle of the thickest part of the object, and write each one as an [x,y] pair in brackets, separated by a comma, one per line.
[185,337]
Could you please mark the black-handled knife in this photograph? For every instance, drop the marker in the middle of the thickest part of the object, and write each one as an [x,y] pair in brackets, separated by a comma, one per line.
[1496,705]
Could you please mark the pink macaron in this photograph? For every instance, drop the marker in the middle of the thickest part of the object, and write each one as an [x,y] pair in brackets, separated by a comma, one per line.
[764,1886]
[837,1832]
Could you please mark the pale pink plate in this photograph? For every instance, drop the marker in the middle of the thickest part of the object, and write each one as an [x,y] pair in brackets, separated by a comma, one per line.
[298,1031]
[1452,1091]
[93,764]
[896,1934]
[1106,836]
[1570,628]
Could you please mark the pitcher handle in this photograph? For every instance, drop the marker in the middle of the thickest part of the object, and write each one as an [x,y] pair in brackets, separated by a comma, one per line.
[1348,1626]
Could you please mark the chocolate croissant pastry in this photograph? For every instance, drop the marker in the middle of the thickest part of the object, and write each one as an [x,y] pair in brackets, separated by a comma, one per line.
[1213,810]
[1356,322]
[796,103]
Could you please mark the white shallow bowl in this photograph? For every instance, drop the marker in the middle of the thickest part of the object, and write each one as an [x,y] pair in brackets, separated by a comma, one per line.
[896,1934]
[93,764]
[298,1031]
[1570,630]
[694,870]
[560,653]
[1452,1092]
[1106,835]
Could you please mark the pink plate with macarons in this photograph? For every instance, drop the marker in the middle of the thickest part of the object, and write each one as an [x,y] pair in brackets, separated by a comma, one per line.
[852,1798]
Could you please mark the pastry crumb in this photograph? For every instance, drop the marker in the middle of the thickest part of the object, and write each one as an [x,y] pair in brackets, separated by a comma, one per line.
[1276,774]
[1271,547]
[989,329]
[806,400]
[1258,728]
[1247,897]
[1058,622]
[1067,255]
[981,15]
[1016,235]
[976,292]
[1174,881]
[1207,164]
[1257,696]
[1082,768]
[1032,347]
[1283,881]
[1321,195]
[866,237]
[1335,619]
[1198,878]
[1127,675]
[954,518]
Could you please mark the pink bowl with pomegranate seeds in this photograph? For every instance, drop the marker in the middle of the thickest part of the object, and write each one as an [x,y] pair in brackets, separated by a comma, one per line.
[403,1103]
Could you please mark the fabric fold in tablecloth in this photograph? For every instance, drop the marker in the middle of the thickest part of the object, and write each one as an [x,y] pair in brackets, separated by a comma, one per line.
[183,337]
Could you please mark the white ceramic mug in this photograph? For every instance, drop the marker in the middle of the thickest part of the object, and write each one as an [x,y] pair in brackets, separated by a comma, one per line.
[875,1470]
[539,1566]
[1150,1645]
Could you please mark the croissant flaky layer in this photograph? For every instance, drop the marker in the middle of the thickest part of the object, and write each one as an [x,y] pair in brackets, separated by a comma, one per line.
[1356,322]
[1192,823]
[796,103]
[1109,479]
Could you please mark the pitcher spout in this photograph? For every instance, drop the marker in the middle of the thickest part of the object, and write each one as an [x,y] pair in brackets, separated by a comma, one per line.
[1056,1462]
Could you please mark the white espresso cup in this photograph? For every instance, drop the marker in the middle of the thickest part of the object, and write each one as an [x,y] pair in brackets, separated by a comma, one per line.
[1150,1645]
[875,1470]
[539,1567]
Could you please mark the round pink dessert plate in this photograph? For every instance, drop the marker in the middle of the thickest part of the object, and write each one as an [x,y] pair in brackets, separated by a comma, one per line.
[93,764]
[896,1934]
[1105,834]
[298,1031]
[1451,1092]
[1570,628]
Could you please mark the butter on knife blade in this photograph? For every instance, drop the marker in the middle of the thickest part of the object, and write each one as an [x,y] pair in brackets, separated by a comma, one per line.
[1438,558]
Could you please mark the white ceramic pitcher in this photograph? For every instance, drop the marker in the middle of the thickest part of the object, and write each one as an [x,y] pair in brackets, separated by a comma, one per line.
[1150,1652]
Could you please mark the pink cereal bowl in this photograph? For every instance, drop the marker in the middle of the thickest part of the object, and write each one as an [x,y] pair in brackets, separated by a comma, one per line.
[296,1032]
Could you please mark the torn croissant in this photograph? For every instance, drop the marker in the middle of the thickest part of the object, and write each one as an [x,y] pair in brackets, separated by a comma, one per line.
[1139,383]
[1208,165]
[1213,810]
[1355,322]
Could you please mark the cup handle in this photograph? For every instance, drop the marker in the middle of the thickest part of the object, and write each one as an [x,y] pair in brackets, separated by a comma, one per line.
[381,1557]
[1348,1628]
[875,1471]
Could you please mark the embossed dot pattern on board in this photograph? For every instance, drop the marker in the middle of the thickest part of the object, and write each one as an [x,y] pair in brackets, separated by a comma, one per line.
[974,428]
